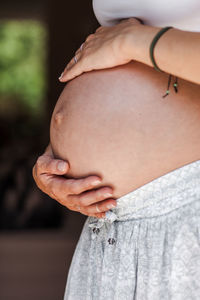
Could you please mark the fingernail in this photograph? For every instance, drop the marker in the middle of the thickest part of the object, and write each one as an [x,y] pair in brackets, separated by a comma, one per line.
[62,166]
[61,75]
[96,182]
[111,206]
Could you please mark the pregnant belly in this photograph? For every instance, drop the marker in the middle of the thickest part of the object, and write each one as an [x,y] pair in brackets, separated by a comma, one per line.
[114,123]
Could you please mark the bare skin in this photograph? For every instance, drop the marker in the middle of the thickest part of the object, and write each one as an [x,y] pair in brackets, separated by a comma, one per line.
[48,174]
[113,46]
[115,124]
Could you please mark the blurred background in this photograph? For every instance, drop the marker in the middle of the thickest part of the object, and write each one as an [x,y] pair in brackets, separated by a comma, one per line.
[37,235]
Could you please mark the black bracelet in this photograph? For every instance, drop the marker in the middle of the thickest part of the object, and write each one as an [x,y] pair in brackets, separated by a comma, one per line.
[152,46]
[153,43]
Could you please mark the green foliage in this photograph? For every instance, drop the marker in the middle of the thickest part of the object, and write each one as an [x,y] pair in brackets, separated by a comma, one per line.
[22,64]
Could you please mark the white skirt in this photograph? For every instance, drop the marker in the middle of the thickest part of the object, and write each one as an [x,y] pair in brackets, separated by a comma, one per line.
[147,248]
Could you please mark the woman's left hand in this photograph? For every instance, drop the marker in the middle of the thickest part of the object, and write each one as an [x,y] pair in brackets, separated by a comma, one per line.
[105,48]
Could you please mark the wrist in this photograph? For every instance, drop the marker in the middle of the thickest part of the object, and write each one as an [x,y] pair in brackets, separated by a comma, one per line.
[138,42]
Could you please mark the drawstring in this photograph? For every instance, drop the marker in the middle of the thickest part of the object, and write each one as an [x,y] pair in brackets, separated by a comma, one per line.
[151,49]
[97,225]
[175,85]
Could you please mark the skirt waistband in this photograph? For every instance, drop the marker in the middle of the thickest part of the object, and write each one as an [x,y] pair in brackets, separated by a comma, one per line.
[160,196]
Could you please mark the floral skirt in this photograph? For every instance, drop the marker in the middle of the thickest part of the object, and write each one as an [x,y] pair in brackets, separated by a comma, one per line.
[147,248]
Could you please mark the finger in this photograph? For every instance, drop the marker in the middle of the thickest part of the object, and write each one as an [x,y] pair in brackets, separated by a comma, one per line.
[71,66]
[46,164]
[76,69]
[91,197]
[80,49]
[72,61]
[99,29]
[82,46]
[60,188]
[51,185]
[77,208]
[78,186]
[100,215]
[97,215]
[90,37]
[78,52]
[100,207]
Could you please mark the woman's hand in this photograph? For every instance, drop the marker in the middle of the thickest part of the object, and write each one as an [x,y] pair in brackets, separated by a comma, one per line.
[75,194]
[105,48]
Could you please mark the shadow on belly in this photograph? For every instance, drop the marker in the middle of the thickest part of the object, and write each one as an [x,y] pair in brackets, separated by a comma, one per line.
[114,123]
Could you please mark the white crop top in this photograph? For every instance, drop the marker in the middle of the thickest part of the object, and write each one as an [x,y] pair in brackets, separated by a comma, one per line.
[181,14]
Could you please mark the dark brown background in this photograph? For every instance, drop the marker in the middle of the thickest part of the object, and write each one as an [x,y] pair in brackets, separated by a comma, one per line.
[36,250]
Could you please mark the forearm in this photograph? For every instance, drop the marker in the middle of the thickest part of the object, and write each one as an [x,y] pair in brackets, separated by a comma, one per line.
[177,52]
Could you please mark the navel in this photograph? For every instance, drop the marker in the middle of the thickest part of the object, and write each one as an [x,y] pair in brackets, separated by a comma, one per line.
[58,117]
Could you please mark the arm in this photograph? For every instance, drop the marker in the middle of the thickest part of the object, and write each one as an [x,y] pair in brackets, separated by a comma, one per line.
[177,52]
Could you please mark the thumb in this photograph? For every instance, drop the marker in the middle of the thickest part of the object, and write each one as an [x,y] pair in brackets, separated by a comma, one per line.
[49,165]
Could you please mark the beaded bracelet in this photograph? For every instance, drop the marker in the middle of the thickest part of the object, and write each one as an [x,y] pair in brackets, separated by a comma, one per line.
[152,46]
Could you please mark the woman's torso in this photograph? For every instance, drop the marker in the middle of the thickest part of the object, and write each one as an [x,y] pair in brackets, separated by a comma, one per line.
[118,126]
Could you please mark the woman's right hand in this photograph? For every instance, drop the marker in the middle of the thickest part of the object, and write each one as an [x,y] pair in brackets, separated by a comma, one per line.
[82,195]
